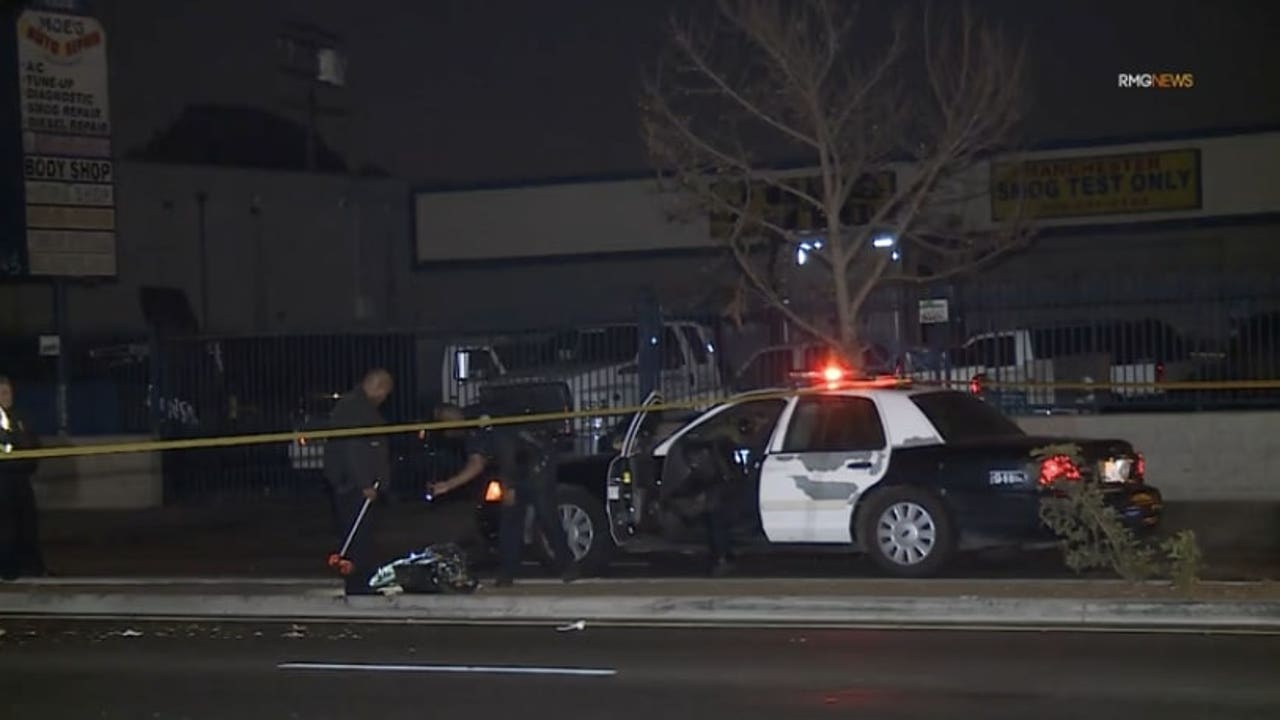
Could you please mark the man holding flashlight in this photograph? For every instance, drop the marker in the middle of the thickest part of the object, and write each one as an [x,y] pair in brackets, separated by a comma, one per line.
[525,463]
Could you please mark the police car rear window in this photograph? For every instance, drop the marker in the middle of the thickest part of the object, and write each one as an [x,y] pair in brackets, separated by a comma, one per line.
[835,424]
[959,417]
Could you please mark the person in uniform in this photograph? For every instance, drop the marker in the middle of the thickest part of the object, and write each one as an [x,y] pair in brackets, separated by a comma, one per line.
[20,553]
[716,474]
[525,462]
[354,467]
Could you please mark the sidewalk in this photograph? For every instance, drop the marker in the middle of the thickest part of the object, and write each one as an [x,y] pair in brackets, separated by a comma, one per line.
[1241,541]
[266,539]
[1052,604]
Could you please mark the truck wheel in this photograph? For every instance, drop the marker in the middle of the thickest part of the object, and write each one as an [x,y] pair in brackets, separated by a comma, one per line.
[586,527]
[907,532]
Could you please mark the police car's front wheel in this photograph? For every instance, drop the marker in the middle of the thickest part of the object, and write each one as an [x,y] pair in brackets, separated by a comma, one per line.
[907,532]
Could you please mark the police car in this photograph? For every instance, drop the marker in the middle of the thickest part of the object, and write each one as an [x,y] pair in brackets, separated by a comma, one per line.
[909,475]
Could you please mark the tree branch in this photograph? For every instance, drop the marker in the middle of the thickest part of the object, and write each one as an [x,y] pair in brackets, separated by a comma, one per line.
[744,264]
[801,73]
[685,43]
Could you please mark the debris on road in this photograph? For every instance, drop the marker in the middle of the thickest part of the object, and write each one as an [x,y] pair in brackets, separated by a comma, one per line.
[573,627]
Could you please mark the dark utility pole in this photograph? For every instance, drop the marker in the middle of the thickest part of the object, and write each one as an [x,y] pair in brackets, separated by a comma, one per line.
[202,235]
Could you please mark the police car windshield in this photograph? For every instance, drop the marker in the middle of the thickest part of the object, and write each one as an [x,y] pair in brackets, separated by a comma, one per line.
[961,417]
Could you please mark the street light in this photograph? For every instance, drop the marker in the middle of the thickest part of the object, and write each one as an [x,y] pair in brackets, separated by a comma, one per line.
[806,247]
[885,242]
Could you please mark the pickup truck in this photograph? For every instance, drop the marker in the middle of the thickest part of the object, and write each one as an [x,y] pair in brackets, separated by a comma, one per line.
[1133,355]
[598,364]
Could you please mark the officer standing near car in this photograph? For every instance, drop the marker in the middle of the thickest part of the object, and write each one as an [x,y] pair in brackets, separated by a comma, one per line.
[20,554]
[354,468]
[718,474]
[525,462]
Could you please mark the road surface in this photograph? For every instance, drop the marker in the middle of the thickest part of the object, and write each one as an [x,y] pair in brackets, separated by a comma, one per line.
[138,670]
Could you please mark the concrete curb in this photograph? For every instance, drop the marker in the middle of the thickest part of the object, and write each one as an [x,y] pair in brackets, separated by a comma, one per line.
[683,610]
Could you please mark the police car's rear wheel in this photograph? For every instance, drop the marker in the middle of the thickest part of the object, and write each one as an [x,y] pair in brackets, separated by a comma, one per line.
[907,532]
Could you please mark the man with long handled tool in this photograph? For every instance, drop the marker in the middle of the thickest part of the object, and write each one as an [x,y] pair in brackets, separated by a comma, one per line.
[355,468]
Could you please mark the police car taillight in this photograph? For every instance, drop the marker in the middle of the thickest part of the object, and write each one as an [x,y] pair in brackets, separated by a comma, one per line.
[1058,468]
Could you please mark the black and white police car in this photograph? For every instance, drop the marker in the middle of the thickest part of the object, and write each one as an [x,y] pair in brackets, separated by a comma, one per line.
[909,475]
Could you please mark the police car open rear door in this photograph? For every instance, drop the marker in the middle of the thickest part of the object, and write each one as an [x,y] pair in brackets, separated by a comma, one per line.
[828,450]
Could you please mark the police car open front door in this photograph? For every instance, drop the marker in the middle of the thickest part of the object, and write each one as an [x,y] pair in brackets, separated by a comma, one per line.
[827,452]
[628,482]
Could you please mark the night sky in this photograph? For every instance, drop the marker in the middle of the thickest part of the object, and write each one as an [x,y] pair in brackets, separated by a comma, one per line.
[465,91]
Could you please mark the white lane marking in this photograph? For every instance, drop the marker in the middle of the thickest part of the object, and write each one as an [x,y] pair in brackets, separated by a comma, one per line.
[484,669]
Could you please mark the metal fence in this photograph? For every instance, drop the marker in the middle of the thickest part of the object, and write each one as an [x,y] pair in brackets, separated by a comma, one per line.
[1021,342]
[1171,345]
[219,386]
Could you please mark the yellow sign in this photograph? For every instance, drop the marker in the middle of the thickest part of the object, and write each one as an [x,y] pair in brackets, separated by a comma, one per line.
[783,209]
[1098,185]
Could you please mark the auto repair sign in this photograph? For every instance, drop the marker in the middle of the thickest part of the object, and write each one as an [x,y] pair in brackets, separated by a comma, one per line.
[68,171]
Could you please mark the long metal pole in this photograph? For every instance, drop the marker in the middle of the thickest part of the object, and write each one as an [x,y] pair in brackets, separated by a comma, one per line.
[203,239]
[64,380]
[259,270]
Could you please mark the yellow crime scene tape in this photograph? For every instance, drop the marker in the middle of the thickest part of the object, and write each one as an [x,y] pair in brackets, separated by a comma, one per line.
[304,436]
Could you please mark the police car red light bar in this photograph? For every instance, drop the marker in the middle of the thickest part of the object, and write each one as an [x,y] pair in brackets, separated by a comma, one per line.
[833,373]
[836,377]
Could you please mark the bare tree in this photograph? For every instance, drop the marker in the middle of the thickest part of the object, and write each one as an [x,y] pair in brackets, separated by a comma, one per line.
[890,128]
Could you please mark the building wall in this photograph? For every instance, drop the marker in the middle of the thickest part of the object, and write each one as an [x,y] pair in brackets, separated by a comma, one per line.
[1158,264]
[321,252]
[340,253]
[1190,457]
[630,215]
[336,254]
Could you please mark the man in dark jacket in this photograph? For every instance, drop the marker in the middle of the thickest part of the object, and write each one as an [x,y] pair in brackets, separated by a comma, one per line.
[20,553]
[353,466]
[525,462]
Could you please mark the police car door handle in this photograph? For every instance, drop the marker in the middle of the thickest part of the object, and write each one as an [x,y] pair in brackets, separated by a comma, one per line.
[859,465]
